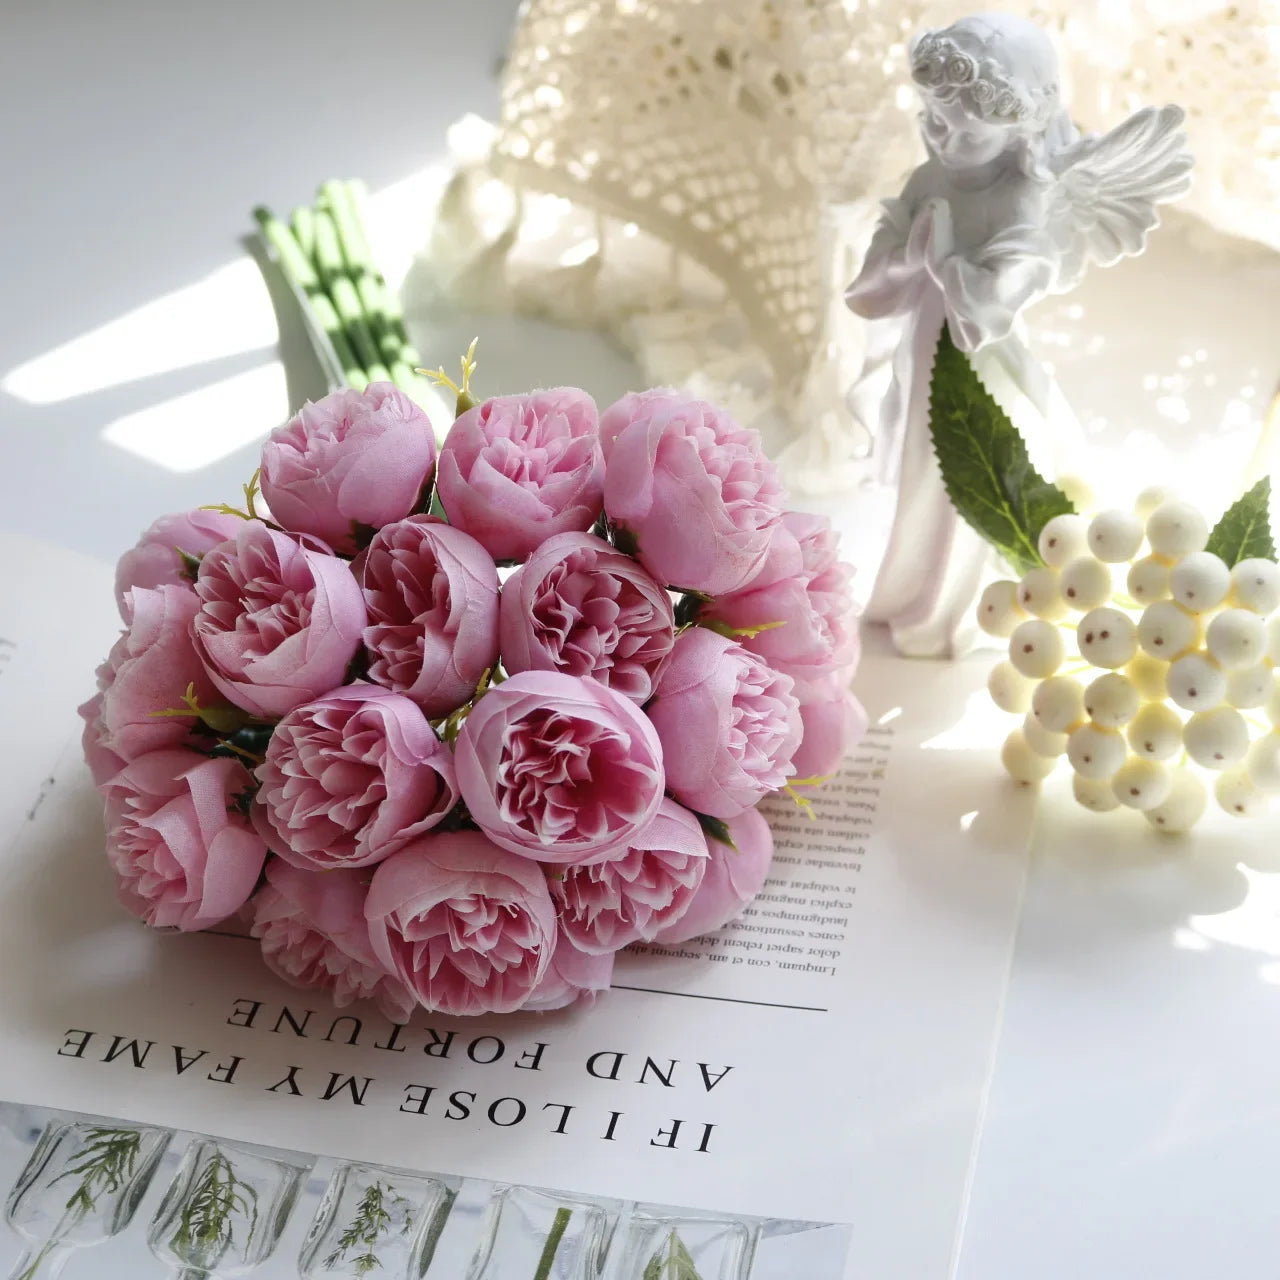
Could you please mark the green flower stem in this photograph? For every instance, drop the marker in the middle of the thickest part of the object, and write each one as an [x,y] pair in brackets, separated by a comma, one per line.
[346,300]
[357,198]
[304,229]
[552,1245]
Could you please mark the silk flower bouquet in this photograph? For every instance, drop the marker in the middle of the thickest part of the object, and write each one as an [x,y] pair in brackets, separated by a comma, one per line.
[452,730]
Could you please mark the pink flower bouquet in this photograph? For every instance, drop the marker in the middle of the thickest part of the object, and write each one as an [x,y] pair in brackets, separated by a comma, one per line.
[453,730]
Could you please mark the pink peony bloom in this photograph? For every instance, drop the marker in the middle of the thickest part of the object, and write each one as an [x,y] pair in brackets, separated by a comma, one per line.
[356,459]
[833,720]
[728,723]
[183,855]
[734,877]
[314,934]
[351,778]
[517,469]
[692,488]
[581,607]
[155,561]
[813,602]
[609,905]
[432,597]
[148,670]
[466,926]
[572,975]
[278,622]
[558,768]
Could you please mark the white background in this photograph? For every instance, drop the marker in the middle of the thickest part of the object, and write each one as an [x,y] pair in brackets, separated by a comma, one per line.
[1133,1126]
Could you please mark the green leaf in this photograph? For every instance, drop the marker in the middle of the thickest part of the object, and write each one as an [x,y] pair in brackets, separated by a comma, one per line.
[1244,533]
[715,829]
[672,1262]
[985,468]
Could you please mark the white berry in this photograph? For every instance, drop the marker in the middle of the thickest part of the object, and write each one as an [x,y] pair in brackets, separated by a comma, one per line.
[1216,739]
[1155,733]
[1094,793]
[1166,630]
[1058,704]
[1107,637]
[1148,500]
[1036,648]
[1255,584]
[1237,639]
[1263,763]
[1038,594]
[1176,529]
[1273,641]
[1041,740]
[1094,752]
[1250,687]
[1273,704]
[1021,763]
[1196,682]
[1142,784]
[1111,700]
[1183,807]
[1148,580]
[1063,539]
[1010,690]
[1200,581]
[1237,794]
[998,609]
[1115,536]
[1085,584]
[1148,676]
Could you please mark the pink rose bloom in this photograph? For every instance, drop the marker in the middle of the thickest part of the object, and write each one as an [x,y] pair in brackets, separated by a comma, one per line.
[183,855]
[581,607]
[466,926]
[833,720]
[155,561]
[609,905]
[559,769]
[314,934]
[356,459]
[351,778]
[148,670]
[813,602]
[729,724]
[571,976]
[517,469]
[432,597]
[278,622]
[691,487]
[732,880]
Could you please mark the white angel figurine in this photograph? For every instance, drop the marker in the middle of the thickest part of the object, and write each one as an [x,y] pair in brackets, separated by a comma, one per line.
[1011,204]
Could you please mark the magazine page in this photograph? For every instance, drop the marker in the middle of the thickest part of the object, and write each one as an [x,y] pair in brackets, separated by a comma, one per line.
[800,1092]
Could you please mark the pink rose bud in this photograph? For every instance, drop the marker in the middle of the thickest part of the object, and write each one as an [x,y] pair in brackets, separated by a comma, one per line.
[350,778]
[581,607]
[833,721]
[559,769]
[157,559]
[432,596]
[183,855]
[609,905]
[466,926]
[278,622]
[147,671]
[354,461]
[314,934]
[734,877]
[691,487]
[517,469]
[572,975]
[807,618]
[729,724]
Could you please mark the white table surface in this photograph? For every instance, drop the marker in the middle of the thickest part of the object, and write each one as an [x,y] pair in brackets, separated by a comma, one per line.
[1133,1125]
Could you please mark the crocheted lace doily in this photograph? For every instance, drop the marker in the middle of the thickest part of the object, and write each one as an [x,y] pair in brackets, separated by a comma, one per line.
[698,177]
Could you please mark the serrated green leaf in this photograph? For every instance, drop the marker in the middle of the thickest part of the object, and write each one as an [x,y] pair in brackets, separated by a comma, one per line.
[985,468]
[1244,532]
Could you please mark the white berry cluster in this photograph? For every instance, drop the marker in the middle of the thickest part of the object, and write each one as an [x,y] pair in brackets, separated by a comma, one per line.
[1141,658]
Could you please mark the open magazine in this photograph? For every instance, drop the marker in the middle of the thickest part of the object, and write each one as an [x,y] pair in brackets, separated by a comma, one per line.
[797,1096]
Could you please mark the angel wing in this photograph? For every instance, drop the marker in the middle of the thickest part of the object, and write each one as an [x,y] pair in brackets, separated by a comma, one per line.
[1108,185]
